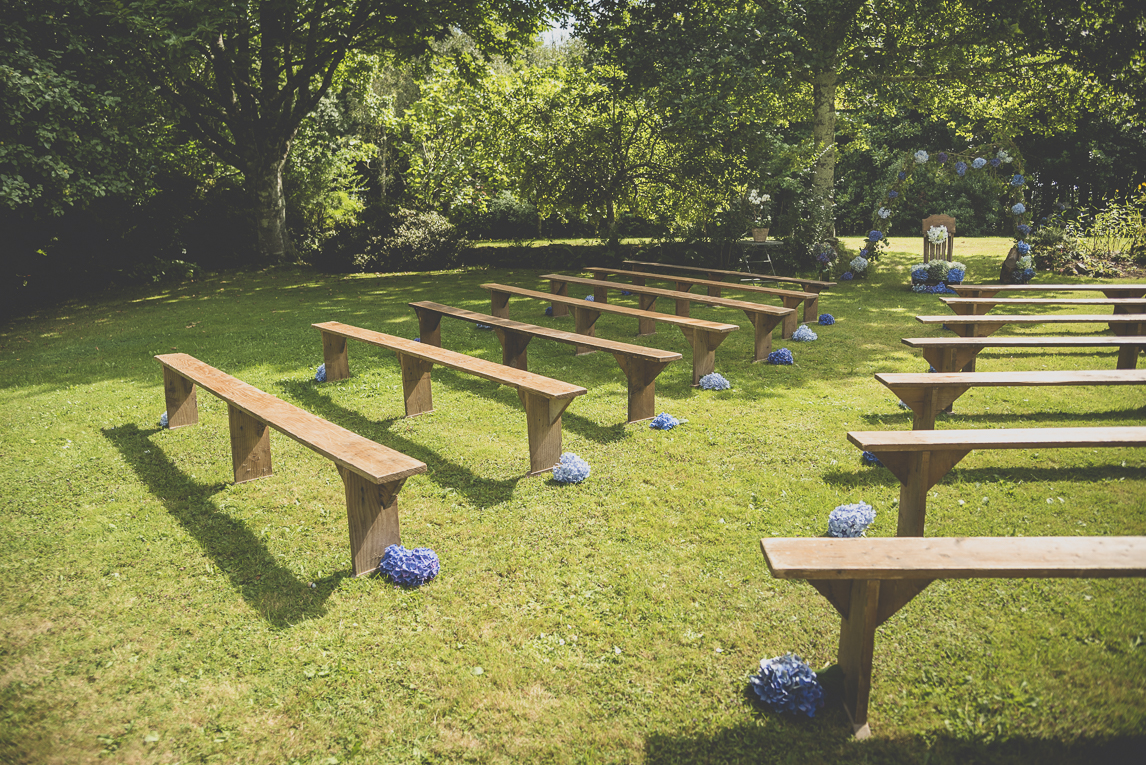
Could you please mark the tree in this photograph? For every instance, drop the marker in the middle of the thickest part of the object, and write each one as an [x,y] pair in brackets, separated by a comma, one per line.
[246,74]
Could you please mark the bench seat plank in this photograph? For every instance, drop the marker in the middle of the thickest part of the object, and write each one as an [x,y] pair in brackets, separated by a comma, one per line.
[920,458]
[929,393]
[979,306]
[790,298]
[641,365]
[869,580]
[984,326]
[808,285]
[704,336]
[544,398]
[764,318]
[949,354]
[372,474]
[1109,290]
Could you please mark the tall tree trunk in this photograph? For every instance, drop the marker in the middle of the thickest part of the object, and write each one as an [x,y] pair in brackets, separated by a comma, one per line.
[824,135]
[264,180]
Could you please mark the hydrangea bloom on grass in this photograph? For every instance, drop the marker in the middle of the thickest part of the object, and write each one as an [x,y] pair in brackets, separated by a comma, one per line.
[664,421]
[714,381]
[482,326]
[549,311]
[782,356]
[590,298]
[570,469]
[163,420]
[626,292]
[409,568]
[827,319]
[869,458]
[850,520]
[847,276]
[320,375]
[804,335]
[417,339]
[787,684]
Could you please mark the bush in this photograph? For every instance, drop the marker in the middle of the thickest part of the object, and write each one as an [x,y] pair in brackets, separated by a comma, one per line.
[420,241]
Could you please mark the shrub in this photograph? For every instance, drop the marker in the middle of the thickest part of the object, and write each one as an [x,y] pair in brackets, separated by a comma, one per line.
[420,241]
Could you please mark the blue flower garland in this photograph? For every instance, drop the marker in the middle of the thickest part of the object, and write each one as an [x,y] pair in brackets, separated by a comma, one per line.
[320,375]
[782,356]
[409,568]
[570,469]
[804,335]
[850,520]
[714,381]
[787,684]
[827,319]
[664,421]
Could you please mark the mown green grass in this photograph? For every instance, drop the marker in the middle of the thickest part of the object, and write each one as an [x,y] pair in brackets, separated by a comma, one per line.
[155,612]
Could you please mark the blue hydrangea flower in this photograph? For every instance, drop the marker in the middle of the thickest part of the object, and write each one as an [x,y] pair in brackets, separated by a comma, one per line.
[955,275]
[549,310]
[782,356]
[409,568]
[996,162]
[417,339]
[664,421]
[787,684]
[1017,180]
[1023,275]
[827,319]
[851,520]
[902,405]
[931,369]
[804,335]
[919,272]
[1019,208]
[941,157]
[1023,248]
[320,375]
[847,276]
[482,326]
[1003,156]
[869,458]
[883,212]
[960,168]
[1023,229]
[570,469]
[892,194]
[858,264]
[978,163]
[714,381]
[163,420]
[921,156]
[874,235]
[919,288]
[590,298]
[902,175]
[863,254]
[626,292]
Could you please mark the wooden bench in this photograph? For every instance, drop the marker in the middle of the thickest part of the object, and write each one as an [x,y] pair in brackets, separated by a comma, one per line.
[985,326]
[788,298]
[979,306]
[641,365]
[716,274]
[703,336]
[930,393]
[545,399]
[990,290]
[764,318]
[371,473]
[868,580]
[920,458]
[949,354]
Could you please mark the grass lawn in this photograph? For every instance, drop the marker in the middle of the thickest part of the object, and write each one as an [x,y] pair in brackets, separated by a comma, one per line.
[157,612]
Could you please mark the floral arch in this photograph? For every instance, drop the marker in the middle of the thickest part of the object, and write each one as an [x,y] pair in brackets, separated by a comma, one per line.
[1005,164]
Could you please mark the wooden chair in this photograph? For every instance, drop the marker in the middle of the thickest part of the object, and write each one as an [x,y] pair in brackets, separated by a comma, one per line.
[938,251]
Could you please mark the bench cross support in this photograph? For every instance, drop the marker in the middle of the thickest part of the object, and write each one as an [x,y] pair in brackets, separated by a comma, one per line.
[704,345]
[179,395]
[372,513]
[250,445]
[416,389]
[642,377]
[543,421]
[926,403]
[917,472]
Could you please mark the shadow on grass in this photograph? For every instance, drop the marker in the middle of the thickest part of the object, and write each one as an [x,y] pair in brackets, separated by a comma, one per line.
[270,588]
[445,473]
[883,477]
[1016,419]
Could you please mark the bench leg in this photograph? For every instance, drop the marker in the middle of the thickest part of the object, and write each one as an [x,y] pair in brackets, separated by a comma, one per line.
[584,322]
[600,294]
[683,286]
[788,327]
[857,646]
[917,472]
[543,421]
[682,306]
[416,384]
[704,345]
[429,327]
[179,395]
[372,514]
[334,356]
[559,309]
[250,445]
[714,291]
[1127,359]
[499,304]
[646,326]
[642,377]
[762,326]
[812,308]
[513,347]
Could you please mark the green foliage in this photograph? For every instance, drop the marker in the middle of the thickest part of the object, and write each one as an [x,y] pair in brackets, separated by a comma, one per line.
[421,240]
